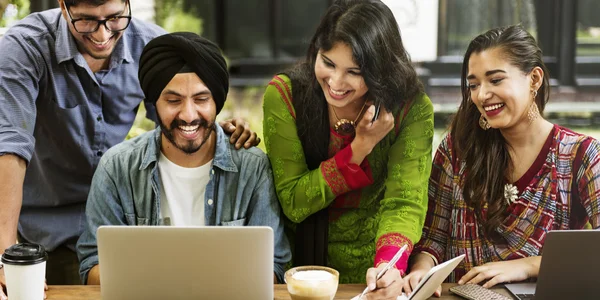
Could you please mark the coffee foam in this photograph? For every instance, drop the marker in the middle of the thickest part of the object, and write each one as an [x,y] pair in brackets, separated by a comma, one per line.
[317,275]
[312,284]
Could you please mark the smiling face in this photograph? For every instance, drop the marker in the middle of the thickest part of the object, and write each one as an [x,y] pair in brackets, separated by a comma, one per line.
[339,76]
[501,91]
[101,43]
[187,112]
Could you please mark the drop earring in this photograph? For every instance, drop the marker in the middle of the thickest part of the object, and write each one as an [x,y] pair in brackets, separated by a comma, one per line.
[483,123]
[534,111]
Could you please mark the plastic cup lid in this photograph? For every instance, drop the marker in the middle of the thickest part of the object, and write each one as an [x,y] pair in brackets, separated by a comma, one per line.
[24,254]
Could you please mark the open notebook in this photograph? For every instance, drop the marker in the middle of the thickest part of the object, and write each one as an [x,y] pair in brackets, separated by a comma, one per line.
[431,280]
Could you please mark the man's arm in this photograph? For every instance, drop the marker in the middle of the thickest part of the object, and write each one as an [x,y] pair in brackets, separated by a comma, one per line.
[265,210]
[20,74]
[94,275]
[103,207]
[12,175]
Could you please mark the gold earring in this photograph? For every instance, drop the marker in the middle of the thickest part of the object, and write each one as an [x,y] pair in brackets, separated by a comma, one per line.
[534,92]
[533,112]
[483,123]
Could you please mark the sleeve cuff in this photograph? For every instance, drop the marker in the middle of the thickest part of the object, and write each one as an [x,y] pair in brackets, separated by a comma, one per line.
[356,176]
[386,254]
[86,267]
[388,245]
[17,141]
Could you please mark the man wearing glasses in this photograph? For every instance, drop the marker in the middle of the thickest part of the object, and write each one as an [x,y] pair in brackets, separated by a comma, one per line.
[68,92]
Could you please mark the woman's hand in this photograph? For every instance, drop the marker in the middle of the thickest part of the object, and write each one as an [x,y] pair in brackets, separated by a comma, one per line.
[422,264]
[240,133]
[503,271]
[368,133]
[389,286]
[414,277]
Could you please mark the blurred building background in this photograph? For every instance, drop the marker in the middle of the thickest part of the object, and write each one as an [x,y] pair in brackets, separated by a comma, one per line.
[263,37]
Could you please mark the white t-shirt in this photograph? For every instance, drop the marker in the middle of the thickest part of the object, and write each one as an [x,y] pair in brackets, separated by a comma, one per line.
[182,196]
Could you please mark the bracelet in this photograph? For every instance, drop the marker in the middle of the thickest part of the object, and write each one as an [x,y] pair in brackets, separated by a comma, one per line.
[435,262]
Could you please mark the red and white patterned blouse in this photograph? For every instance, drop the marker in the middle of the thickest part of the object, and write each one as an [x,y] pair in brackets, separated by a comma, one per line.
[545,202]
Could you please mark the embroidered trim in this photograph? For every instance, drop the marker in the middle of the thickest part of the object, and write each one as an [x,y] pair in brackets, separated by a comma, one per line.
[284,96]
[381,262]
[334,178]
[402,273]
[285,85]
[336,143]
[395,240]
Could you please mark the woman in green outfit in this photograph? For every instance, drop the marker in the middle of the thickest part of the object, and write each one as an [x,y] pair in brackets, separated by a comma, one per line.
[353,188]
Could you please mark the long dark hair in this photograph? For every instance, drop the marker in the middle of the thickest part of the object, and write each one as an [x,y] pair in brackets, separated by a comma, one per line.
[486,153]
[369,28]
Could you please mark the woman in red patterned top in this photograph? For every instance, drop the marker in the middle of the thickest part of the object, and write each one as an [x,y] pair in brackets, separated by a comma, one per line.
[504,176]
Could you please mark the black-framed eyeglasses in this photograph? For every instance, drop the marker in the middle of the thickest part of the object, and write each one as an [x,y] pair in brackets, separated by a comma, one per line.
[114,24]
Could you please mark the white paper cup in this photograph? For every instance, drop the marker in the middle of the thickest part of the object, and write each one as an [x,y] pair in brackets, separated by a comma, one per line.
[25,271]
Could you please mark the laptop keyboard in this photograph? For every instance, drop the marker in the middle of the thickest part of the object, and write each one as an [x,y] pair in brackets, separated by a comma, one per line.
[524,296]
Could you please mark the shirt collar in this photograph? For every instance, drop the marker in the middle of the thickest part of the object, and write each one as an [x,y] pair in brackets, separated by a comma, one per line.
[66,47]
[222,159]
[121,51]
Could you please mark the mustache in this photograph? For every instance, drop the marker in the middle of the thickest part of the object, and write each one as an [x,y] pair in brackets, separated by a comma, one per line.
[200,122]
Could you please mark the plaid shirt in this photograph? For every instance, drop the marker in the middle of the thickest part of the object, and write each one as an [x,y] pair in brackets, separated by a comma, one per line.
[545,202]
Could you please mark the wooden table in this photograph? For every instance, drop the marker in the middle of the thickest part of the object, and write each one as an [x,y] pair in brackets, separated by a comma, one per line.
[345,291]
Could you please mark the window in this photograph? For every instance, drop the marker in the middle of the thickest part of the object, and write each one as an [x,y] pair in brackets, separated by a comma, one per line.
[298,21]
[462,20]
[588,28]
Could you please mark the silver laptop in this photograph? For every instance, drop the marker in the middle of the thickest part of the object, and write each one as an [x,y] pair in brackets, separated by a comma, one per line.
[165,262]
[569,268]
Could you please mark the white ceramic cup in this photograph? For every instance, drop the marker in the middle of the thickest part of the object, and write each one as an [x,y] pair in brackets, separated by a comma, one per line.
[25,271]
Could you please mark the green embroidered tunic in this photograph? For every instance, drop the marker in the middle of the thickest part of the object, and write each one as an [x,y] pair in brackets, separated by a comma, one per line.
[374,208]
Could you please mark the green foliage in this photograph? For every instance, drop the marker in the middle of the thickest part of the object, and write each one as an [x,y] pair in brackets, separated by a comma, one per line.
[246,103]
[22,11]
[141,123]
[171,16]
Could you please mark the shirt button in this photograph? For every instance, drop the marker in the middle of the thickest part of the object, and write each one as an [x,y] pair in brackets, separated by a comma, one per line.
[210,201]
[99,153]
[99,118]
[212,172]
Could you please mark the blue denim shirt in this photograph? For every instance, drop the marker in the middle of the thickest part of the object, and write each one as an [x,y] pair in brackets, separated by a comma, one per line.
[61,117]
[126,190]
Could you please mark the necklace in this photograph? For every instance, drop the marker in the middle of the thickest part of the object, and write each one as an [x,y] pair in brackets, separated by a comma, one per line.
[345,126]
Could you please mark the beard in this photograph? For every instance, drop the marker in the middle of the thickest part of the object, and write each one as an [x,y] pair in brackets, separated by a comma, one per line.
[190,146]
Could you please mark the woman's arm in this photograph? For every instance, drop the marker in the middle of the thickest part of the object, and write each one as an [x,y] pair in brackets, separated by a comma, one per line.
[439,203]
[503,271]
[587,177]
[404,204]
[301,191]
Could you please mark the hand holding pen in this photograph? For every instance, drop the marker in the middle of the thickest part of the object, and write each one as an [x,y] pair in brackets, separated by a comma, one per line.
[389,287]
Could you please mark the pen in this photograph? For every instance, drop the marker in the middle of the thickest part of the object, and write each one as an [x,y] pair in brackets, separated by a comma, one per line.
[389,266]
